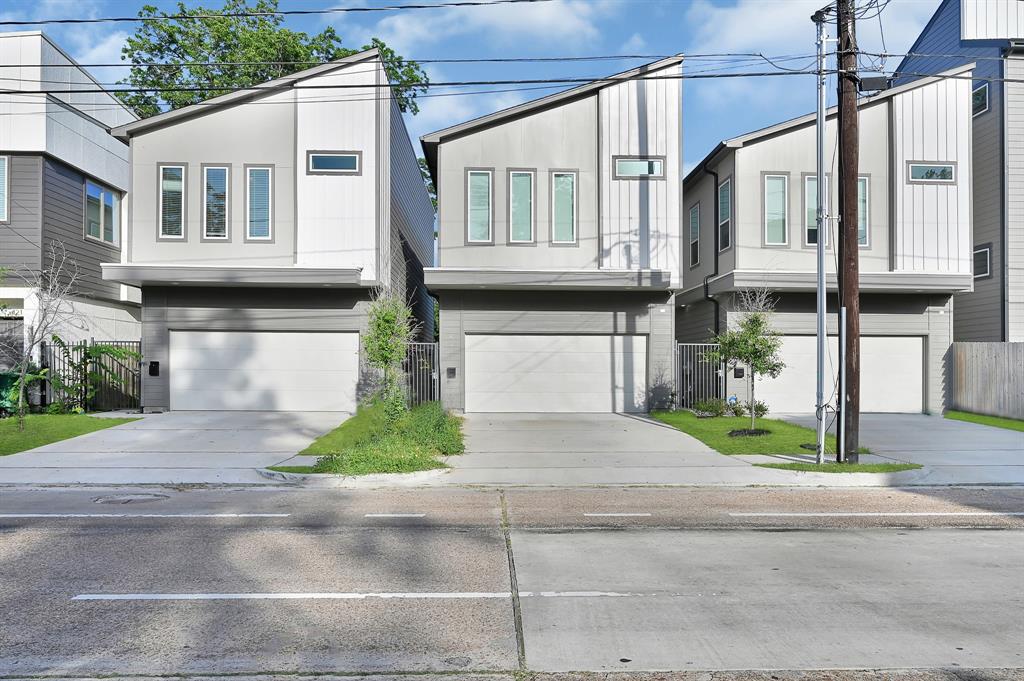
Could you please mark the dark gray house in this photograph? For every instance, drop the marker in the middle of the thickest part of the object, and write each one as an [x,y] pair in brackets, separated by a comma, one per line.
[988,33]
[63,178]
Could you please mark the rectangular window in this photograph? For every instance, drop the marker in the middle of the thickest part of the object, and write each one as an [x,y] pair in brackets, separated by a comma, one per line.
[979,100]
[811,214]
[638,168]
[776,211]
[102,213]
[563,208]
[931,173]
[172,202]
[982,262]
[725,215]
[334,162]
[694,234]
[215,202]
[520,206]
[478,204]
[863,210]
[5,162]
[258,188]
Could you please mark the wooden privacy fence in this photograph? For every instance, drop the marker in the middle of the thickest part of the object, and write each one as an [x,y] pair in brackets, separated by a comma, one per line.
[988,378]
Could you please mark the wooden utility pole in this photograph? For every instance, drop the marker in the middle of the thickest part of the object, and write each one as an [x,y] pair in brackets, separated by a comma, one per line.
[848,247]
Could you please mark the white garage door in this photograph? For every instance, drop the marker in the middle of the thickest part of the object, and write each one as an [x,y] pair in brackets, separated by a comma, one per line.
[892,375]
[556,373]
[272,371]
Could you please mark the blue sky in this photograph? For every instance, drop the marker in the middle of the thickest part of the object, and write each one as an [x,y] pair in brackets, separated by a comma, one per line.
[713,109]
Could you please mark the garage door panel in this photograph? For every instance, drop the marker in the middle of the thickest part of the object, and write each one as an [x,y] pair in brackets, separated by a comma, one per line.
[274,371]
[534,373]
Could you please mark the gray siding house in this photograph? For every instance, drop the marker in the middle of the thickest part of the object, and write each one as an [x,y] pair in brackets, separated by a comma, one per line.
[260,224]
[559,248]
[988,33]
[750,210]
[63,179]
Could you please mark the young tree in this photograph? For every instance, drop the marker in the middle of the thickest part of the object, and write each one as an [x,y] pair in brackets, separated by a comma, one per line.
[53,310]
[754,343]
[390,330]
[244,45]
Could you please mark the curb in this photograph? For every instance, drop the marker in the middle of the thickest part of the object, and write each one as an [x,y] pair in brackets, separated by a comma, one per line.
[334,481]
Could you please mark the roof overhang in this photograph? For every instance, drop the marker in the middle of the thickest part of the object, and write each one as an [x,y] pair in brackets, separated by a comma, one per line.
[452,278]
[215,276]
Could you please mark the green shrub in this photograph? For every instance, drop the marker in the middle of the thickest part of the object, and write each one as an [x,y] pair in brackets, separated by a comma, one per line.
[711,407]
[737,408]
[760,408]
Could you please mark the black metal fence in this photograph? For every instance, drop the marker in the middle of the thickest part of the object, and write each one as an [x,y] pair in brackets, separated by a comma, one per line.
[117,381]
[421,367]
[697,379]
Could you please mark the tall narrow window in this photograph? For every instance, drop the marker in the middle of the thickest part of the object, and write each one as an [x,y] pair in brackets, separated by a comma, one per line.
[172,202]
[863,210]
[258,203]
[215,202]
[776,212]
[725,215]
[102,213]
[811,204]
[520,206]
[478,202]
[694,234]
[979,100]
[563,208]
[983,261]
[4,211]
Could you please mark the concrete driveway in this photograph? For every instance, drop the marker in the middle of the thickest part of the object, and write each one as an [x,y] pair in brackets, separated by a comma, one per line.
[175,447]
[584,449]
[968,452]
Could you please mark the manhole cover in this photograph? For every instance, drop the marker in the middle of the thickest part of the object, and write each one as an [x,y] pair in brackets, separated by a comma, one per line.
[140,498]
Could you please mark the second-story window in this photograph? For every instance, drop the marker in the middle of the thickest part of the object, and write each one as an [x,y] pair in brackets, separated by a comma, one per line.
[4,165]
[725,215]
[215,202]
[983,261]
[863,210]
[563,208]
[258,188]
[171,216]
[776,210]
[931,173]
[694,234]
[334,163]
[102,213]
[478,206]
[638,167]
[979,100]
[520,206]
[811,205]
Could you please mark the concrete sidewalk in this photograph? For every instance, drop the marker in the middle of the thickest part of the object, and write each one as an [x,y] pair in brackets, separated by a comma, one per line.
[179,447]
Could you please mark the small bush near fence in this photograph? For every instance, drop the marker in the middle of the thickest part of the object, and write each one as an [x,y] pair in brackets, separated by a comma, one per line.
[715,407]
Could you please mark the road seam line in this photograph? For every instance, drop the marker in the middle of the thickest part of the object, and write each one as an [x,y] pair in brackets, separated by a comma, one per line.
[394,515]
[616,515]
[143,515]
[881,514]
[517,610]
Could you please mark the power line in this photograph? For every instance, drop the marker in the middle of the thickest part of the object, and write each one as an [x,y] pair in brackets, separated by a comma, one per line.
[291,12]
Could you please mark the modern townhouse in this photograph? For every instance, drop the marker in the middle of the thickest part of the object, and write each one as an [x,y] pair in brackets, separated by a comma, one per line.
[558,248]
[63,179]
[751,222]
[260,224]
[988,32]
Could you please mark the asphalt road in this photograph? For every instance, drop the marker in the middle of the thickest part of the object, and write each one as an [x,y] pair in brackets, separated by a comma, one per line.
[493,583]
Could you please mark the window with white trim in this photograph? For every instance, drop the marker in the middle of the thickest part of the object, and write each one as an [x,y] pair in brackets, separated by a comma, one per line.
[334,163]
[520,206]
[563,208]
[811,210]
[102,213]
[694,235]
[215,202]
[979,100]
[259,181]
[5,164]
[863,210]
[983,262]
[638,168]
[931,173]
[171,210]
[478,206]
[725,215]
[776,210]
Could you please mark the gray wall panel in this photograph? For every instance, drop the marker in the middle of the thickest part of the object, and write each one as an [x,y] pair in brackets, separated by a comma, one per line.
[20,236]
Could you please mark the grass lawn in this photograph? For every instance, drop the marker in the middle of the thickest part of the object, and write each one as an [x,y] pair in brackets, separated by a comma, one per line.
[366,443]
[997,421]
[783,438]
[833,467]
[43,429]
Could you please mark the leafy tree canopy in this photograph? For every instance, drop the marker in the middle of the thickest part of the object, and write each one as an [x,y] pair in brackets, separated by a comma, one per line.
[241,51]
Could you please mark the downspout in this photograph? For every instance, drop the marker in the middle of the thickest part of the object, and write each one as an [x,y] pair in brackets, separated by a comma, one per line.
[714,272]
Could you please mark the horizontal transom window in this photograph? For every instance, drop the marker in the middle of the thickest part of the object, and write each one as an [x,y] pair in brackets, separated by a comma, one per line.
[637,167]
[334,162]
[941,173]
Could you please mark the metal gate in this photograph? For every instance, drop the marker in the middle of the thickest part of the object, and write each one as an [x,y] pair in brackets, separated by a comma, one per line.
[117,382]
[422,380]
[696,378]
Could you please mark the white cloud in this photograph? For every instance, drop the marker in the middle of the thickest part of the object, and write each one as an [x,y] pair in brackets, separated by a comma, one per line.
[634,45]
